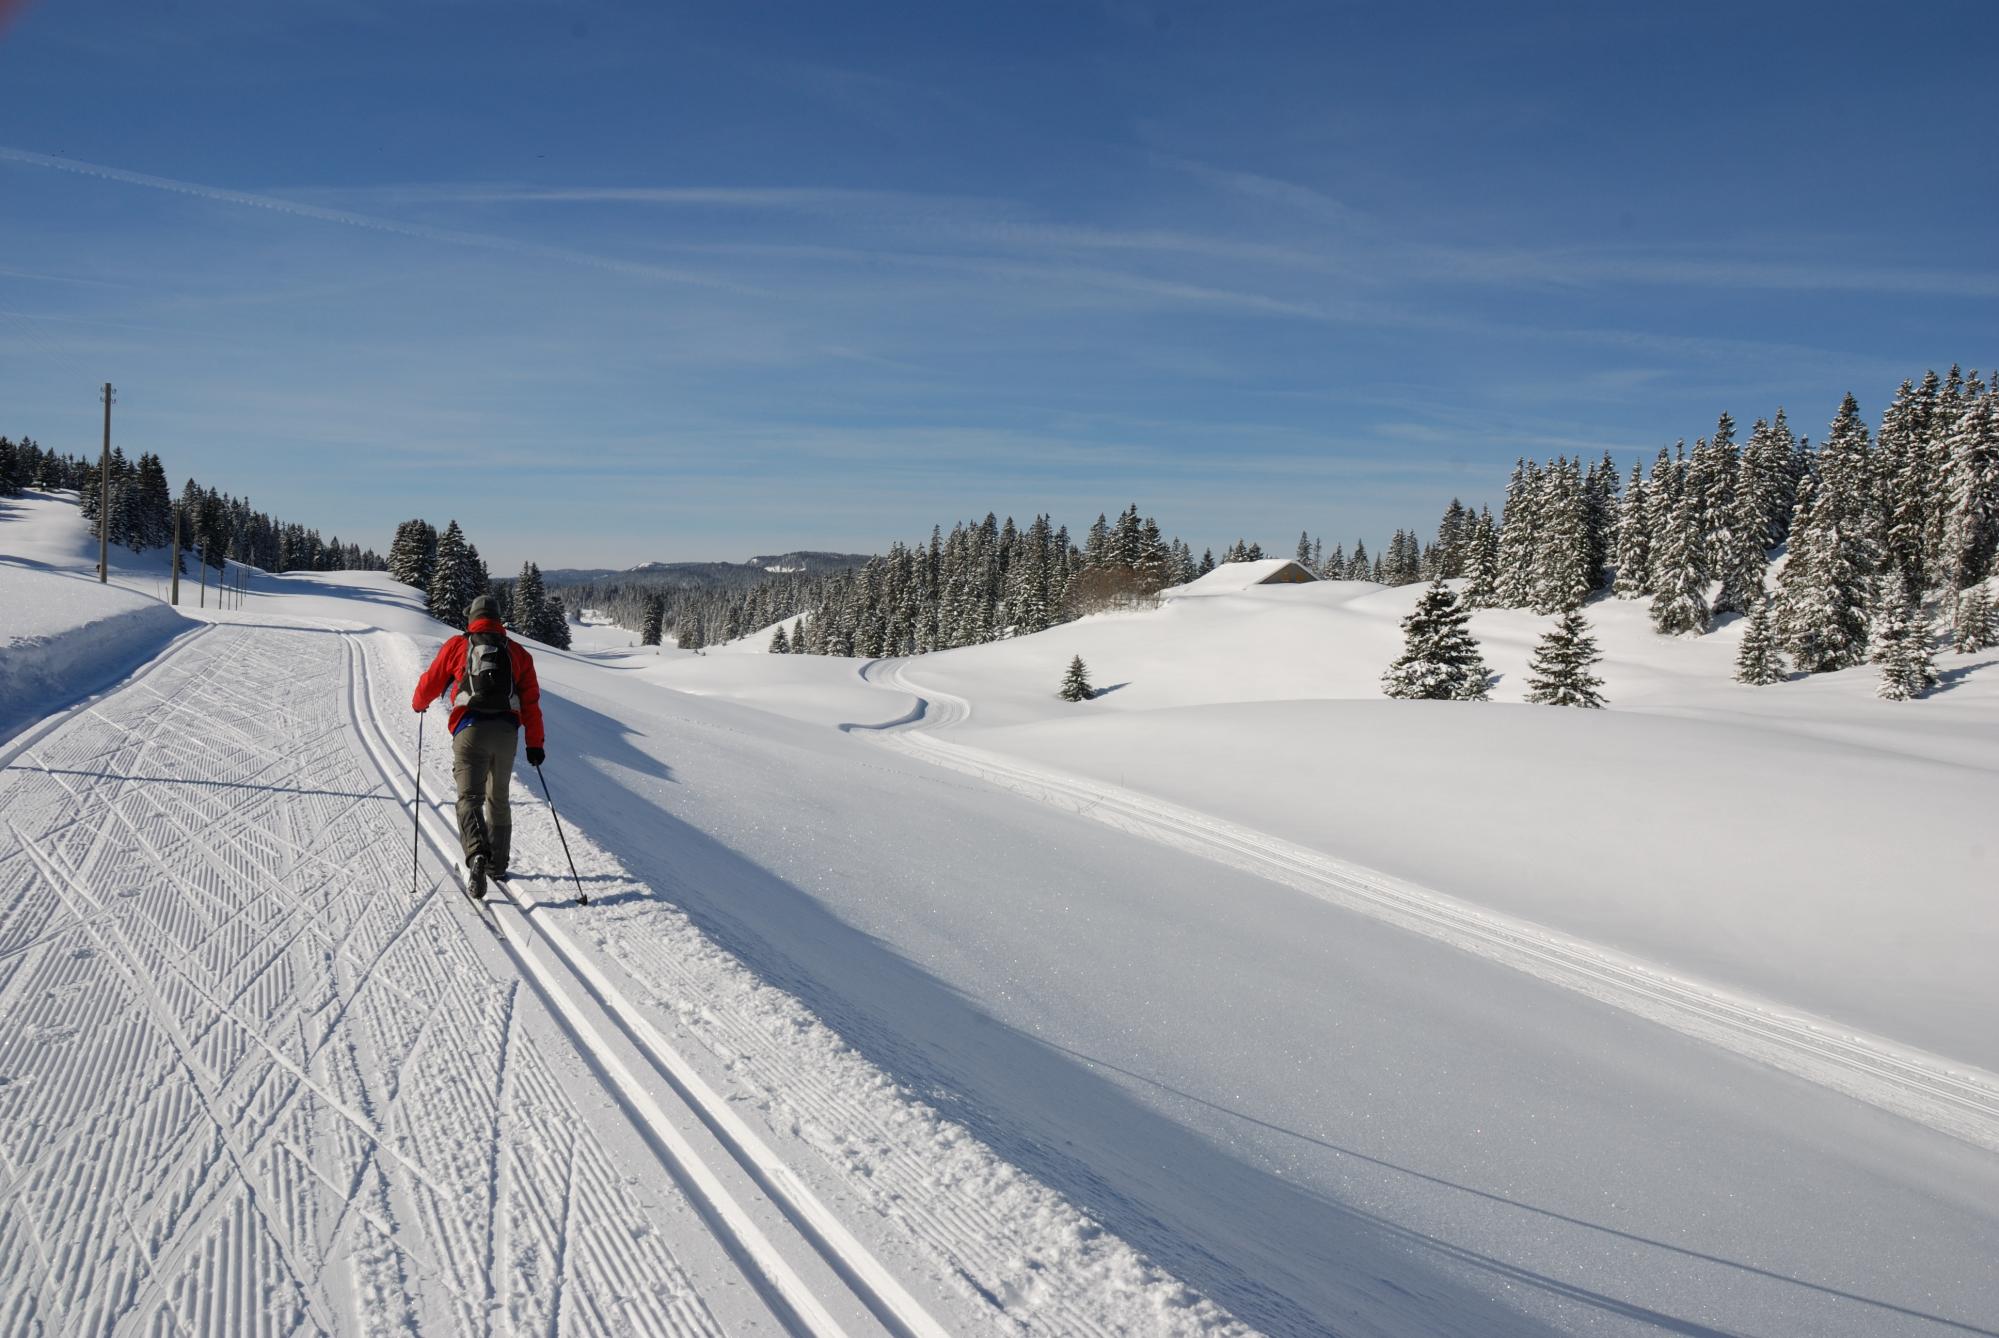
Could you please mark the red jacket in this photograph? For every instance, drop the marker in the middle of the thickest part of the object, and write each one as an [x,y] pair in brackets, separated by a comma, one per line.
[449,667]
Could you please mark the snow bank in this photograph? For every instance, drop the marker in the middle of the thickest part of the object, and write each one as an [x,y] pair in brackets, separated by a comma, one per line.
[63,637]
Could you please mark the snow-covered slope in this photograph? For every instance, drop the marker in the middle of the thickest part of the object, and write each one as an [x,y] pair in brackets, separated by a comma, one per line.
[854,1038]
[62,633]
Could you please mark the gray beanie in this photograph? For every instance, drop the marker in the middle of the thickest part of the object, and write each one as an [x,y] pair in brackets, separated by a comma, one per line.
[485,606]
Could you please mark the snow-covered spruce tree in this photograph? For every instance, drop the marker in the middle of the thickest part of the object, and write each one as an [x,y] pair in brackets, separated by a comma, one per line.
[1559,674]
[1634,539]
[1076,682]
[1971,537]
[1738,547]
[1519,542]
[1600,496]
[652,627]
[1481,562]
[552,628]
[447,578]
[780,644]
[410,553]
[1669,474]
[798,642]
[1440,659]
[1825,600]
[1759,663]
[1679,570]
[1562,579]
[529,595]
[1903,467]
[1972,625]
[1908,669]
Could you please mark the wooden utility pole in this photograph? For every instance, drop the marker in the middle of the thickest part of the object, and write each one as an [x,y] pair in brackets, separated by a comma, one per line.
[104,496]
[175,564]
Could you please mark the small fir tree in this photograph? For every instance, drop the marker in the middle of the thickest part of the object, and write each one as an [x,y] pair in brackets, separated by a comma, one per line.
[1759,663]
[654,623]
[798,642]
[1903,651]
[1076,682]
[1972,629]
[780,644]
[1559,674]
[1440,659]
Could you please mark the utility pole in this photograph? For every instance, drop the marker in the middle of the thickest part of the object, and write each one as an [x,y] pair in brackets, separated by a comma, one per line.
[104,496]
[175,564]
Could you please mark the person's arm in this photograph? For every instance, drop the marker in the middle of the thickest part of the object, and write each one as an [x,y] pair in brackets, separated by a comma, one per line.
[436,679]
[528,688]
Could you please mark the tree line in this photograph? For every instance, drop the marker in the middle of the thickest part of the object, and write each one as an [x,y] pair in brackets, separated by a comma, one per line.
[448,569]
[215,526]
[1882,537]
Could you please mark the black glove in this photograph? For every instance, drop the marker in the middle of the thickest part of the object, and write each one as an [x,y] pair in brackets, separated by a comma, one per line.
[536,757]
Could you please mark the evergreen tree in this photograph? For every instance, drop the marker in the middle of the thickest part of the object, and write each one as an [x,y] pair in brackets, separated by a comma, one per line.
[1972,626]
[1482,562]
[1076,682]
[798,644]
[413,554]
[1759,663]
[1680,573]
[1971,537]
[1440,659]
[1519,543]
[552,627]
[652,628]
[1561,579]
[1634,539]
[1207,562]
[1304,556]
[1827,584]
[1908,668]
[1559,674]
[448,578]
[780,644]
[1453,540]
[530,595]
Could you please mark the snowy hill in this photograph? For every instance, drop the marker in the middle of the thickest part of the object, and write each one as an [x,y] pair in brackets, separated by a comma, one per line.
[912,999]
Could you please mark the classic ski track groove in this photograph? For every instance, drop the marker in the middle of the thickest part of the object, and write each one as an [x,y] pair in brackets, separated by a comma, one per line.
[815,1225]
[1956,1099]
[243,1087]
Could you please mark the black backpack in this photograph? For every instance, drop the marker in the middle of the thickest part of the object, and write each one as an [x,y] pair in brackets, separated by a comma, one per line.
[489,674]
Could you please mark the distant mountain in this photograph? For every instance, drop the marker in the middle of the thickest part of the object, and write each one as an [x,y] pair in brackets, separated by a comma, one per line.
[703,575]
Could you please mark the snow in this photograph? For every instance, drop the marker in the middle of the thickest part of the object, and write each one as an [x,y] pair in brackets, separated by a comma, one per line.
[63,635]
[1804,842]
[1199,1007]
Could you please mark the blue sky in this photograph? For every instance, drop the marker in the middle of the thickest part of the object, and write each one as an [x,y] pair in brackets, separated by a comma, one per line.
[614,283]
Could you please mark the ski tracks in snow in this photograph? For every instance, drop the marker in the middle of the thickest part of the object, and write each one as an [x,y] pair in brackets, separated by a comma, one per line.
[691,1040]
[1955,1099]
[248,1083]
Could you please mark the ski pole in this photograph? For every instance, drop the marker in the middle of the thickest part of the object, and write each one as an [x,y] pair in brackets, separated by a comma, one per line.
[582,897]
[416,804]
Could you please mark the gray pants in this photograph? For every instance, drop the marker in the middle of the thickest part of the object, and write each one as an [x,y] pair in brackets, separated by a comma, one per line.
[482,762]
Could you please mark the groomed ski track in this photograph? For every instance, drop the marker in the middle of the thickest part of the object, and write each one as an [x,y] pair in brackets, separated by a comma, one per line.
[256,1085]
[260,1088]
[1955,1099]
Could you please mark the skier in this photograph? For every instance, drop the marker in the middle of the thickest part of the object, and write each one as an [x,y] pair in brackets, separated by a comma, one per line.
[493,695]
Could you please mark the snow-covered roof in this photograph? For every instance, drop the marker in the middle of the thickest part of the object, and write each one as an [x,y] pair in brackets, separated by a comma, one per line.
[1232,576]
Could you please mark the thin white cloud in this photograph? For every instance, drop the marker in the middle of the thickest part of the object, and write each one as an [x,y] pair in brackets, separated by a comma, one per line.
[346,218]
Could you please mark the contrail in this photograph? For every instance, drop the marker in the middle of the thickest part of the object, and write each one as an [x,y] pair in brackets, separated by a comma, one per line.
[446,236]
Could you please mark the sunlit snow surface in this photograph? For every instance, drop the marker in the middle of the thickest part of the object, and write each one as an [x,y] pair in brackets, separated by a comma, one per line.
[1041,1001]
